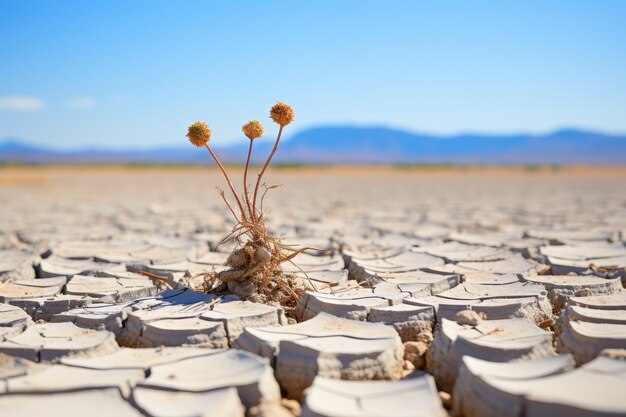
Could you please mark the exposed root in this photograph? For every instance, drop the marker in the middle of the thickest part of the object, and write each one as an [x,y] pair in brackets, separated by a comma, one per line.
[161,282]
[495,330]
[255,272]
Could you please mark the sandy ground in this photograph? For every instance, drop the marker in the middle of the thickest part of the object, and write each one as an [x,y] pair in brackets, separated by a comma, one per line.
[309,193]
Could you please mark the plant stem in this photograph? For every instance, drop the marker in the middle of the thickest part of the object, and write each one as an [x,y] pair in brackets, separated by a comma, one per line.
[230,184]
[228,205]
[245,182]
[269,159]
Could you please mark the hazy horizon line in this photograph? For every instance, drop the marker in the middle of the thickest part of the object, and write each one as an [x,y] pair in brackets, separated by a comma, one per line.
[233,142]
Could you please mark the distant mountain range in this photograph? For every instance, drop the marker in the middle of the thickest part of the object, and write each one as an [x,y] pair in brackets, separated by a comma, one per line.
[364,145]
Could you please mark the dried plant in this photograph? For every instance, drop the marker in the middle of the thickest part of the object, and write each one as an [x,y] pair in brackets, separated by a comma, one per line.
[254,267]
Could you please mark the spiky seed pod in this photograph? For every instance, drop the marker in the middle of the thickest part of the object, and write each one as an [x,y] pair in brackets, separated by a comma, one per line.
[253,129]
[199,134]
[282,114]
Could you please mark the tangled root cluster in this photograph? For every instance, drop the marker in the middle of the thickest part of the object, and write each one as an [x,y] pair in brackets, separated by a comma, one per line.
[254,273]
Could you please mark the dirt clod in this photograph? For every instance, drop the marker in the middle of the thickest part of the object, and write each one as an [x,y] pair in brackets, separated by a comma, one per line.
[469,318]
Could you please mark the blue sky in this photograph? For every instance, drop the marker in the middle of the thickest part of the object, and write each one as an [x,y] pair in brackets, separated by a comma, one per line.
[134,74]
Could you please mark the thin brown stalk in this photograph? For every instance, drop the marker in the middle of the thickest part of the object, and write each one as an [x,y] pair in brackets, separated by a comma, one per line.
[155,277]
[263,197]
[269,159]
[306,275]
[221,192]
[288,258]
[230,184]
[235,234]
[245,182]
[239,230]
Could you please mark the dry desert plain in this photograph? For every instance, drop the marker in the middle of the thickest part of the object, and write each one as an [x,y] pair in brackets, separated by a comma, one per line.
[461,291]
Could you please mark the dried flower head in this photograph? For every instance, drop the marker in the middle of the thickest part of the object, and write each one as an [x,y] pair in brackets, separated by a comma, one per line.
[282,114]
[253,129]
[199,134]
